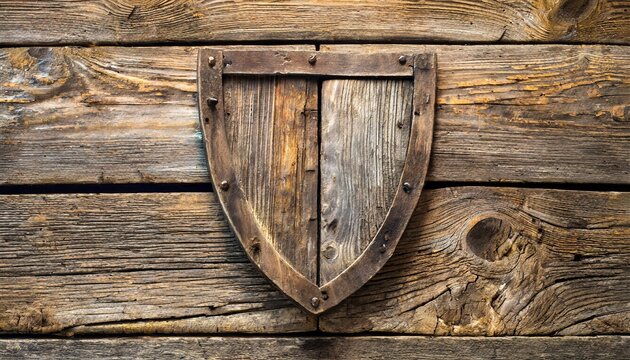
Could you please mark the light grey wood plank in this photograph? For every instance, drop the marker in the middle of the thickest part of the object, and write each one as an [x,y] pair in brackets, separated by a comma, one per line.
[364,136]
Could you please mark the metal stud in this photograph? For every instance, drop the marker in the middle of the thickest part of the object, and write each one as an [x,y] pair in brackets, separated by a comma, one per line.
[212,102]
[315,302]
[225,186]
[212,61]
[312,59]
[402,60]
[407,187]
[383,248]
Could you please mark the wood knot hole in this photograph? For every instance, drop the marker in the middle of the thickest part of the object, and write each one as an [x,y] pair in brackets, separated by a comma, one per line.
[487,238]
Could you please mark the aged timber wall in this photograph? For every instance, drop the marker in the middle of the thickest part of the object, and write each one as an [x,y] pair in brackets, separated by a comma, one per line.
[109,226]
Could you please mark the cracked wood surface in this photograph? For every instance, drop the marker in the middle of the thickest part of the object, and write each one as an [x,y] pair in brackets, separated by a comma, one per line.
[271,128]
[365,126]
[502,261]
[137,22]
[474,261]
[334,348]
[509,113]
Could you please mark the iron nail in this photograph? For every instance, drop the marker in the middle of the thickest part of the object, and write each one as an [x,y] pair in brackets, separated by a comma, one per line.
[383,248]
[407,187]
[224,185]
[312,59]
[315,302]
[212,61]
[402,60]
[212,101]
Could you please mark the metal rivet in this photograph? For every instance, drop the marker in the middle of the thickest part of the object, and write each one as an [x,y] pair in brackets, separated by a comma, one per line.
[402,60]
[212,61]
[312,59]
[315,302]
[407,187]
[212,101]
[383,248]
[324,295]
[225,186]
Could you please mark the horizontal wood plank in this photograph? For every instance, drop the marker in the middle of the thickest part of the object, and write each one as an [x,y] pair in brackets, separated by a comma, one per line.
[363,347]
[474,261]
[502,261]
[148,263]
[517,113]
[124,22]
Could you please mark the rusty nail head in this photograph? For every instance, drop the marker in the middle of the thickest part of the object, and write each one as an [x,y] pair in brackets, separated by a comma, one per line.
[224,185]
[324,295]
[315,302]
[312,59]
[212,61]
[402,60]
[212,101]
[407,187]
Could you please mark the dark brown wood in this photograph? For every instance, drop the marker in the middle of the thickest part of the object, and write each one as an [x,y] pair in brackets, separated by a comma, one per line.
[271,128]
[167,263]
[124,22]
[103,115]
[362,347]
[255,238]
[315,63]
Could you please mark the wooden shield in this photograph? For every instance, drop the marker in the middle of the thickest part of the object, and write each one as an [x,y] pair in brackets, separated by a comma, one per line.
[318,159]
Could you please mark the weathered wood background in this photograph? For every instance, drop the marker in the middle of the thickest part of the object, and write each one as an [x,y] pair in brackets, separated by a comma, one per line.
[524,230]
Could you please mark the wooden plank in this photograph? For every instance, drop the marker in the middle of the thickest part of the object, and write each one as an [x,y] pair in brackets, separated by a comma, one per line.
[121,22]
[362,347]
[131,263]
[502,261]
[365,132]
[273,146]
[474,260]
[128,115]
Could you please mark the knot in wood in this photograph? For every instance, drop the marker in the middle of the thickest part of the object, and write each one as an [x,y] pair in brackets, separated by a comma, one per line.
[487,238]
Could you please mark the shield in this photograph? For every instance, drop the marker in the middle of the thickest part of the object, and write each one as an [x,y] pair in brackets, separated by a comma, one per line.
[318,159]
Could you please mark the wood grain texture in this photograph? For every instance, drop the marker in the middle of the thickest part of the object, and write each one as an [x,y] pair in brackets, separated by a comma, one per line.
[363,347]
[273,145]
[474,261]
[502,261]
[364,135]
[128,115]
[131,263]
[124,22]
